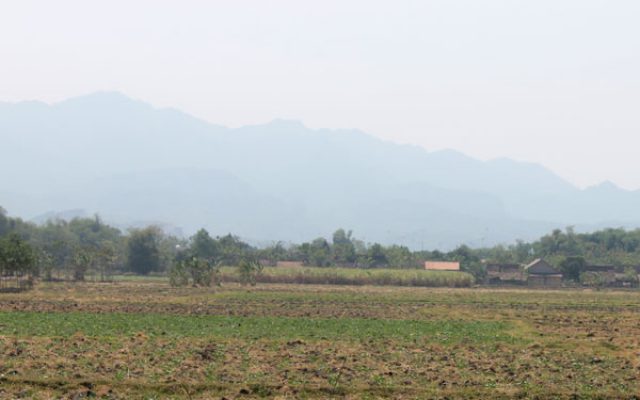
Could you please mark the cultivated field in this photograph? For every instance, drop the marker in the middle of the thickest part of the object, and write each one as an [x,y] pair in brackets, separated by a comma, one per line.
[144,339]
[356,276]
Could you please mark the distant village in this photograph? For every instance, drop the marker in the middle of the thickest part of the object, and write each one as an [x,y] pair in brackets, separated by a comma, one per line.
[540,273]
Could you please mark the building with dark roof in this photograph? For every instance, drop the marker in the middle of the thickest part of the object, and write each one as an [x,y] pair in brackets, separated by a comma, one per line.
[506,274]
[541,273]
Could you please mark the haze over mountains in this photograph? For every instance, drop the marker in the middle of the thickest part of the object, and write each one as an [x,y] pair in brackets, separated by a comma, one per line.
[135,164]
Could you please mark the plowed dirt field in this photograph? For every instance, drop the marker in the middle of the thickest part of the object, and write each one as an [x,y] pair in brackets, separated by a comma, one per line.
[147,340]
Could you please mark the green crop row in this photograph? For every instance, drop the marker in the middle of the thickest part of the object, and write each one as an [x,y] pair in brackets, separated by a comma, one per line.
[117,324]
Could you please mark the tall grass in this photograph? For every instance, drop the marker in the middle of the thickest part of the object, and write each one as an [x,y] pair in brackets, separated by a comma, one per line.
[352,276]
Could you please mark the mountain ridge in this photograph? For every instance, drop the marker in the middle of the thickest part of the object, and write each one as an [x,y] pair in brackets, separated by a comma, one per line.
[312,180]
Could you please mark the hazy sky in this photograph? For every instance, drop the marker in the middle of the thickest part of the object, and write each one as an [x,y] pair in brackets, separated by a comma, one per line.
[551,81]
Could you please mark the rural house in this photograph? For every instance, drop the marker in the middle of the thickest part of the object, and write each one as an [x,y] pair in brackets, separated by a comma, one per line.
[627,277]
[604,275]
[442,265]
[541,273]
[501,274]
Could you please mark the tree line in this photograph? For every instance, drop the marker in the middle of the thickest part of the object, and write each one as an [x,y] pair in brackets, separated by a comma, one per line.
[71,250]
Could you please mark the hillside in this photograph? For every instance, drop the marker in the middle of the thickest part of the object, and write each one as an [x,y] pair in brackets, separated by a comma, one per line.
[134,163]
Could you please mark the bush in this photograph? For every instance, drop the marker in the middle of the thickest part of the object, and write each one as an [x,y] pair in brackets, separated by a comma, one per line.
[249,271]
[194,270]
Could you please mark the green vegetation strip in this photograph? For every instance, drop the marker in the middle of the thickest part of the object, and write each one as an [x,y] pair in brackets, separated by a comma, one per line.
[24,324]
[583,299]
[357,276]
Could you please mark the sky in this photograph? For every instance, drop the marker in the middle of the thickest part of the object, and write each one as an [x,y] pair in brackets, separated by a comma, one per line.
[549,81]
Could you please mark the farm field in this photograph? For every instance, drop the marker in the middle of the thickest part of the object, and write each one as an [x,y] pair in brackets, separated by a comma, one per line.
[356,276]
[145,339]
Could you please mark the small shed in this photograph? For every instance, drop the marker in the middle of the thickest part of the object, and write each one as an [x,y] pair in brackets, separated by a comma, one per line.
[541,273]
[442,265]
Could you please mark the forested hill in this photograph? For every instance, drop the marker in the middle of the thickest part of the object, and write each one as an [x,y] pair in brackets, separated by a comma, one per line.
[136,164]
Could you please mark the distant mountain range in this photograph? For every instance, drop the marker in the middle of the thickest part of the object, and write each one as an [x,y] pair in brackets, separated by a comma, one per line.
[135,164]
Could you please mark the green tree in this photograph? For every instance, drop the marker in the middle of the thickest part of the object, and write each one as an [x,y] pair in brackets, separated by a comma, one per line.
[319,253]
[522,251]
[572,267]
[93,232]
[143,254]
[233,250]
[45,265]
[400,257]
[4,222]
[344,251]
[204,246]
[17,258]
[469,261]
[377,256]
[82,261]
[276,253]
[56,240]
[106,260]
